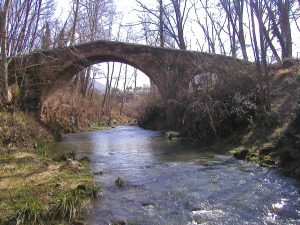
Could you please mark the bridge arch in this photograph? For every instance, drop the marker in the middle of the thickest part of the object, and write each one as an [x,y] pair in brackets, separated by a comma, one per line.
[73,66]
[171,70]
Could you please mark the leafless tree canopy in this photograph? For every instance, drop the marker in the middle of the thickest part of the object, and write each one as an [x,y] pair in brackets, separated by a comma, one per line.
[256,30]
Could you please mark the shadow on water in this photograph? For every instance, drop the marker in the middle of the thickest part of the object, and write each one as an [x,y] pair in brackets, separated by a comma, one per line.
[174,182]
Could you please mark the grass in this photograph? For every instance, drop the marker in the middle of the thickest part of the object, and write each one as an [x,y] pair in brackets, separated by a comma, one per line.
[26,211]
[66,205]
[119,182]
[41,147]
[35,189]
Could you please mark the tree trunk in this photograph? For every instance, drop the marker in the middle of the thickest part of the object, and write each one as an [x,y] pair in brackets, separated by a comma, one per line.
[73,31]
[4,62]
[124,90]
[257,57]
[241,35]
[285,27]
[161,24]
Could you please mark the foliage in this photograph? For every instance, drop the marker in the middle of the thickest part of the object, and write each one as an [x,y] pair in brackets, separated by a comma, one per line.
[213,118]
[150,110]
[267,117]
[63,115]
[242,109]
[65,205]
[216,112]
[92,190]
[85,159]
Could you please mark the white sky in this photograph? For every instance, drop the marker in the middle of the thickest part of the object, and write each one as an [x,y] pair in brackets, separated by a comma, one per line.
[129,17]
[126,8]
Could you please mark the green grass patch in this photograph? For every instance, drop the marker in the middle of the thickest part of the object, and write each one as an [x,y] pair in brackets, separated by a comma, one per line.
[35,189]
[120,182]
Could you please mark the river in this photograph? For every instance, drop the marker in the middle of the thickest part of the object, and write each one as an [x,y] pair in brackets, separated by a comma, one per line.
[174,182]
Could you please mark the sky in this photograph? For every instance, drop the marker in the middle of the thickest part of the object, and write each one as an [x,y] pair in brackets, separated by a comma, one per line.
[126,7]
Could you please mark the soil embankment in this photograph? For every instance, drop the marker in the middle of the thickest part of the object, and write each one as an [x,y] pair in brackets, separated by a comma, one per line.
[275,142]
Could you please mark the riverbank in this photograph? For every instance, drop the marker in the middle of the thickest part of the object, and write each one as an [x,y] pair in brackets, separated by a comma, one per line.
[234,121]
[177,182]
[19,131]
[34,187]
[273,141]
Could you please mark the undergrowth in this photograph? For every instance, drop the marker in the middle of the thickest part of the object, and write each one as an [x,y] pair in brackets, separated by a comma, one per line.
[68,111]
[21,130]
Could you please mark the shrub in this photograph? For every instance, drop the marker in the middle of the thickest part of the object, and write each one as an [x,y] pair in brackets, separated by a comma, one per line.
[242,109]
[218,112]
[92,191]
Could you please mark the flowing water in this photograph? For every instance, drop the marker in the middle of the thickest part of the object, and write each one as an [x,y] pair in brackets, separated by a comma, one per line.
[173,182]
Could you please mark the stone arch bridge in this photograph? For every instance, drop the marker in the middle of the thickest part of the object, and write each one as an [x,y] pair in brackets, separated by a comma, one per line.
[171,70]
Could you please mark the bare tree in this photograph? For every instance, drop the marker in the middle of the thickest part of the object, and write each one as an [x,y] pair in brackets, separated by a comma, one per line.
[26,23]
[260,52]
[91,21]
[46,38]
[173,14]
[161,24]
[211,25]
[75,12]
[3,38]
[280,13]
[235,14]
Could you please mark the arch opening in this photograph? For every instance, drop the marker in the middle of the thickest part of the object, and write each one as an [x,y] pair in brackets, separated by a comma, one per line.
[99,94]
[71,68]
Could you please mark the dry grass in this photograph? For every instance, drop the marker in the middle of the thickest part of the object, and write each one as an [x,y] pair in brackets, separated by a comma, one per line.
[67,111]
[21,130]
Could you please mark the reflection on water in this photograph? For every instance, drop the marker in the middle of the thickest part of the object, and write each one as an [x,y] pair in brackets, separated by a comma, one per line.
[169,182]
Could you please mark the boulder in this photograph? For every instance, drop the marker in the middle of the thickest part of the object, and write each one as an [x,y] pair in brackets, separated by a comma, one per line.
[118,222]
[73,165]
[297,172]
[241,154]
[77,222]
[266,149]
